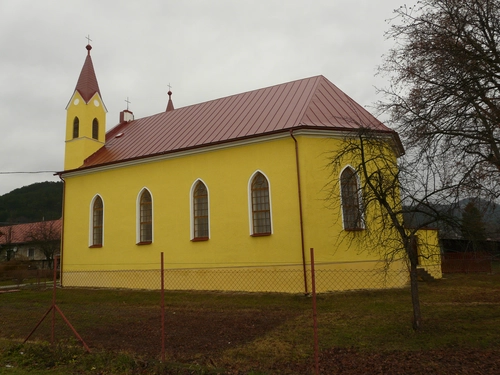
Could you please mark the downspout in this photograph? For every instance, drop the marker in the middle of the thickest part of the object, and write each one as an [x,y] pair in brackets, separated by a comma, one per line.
[62,233]
[306,291]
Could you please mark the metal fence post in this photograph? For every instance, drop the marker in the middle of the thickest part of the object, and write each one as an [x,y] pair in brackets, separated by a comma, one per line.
[54,302]
[162,294]
[315,323]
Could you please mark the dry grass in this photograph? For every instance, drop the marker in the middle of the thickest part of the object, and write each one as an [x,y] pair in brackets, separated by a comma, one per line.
[245,332]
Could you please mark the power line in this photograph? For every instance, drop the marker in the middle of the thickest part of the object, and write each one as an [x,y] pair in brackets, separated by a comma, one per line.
[31,172]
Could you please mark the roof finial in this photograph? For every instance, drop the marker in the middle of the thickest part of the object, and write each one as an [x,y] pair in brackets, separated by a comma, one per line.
[170,104]
[89,47]
[128,102]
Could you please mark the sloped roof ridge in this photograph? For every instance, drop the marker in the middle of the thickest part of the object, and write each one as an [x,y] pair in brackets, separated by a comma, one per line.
[311,95]
[318,77]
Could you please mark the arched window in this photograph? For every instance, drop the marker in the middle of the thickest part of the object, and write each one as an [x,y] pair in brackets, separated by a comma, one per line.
[200,218]
[260,205]
[76,127]
[97,222]
[95,129]
[352,212]
[145,216]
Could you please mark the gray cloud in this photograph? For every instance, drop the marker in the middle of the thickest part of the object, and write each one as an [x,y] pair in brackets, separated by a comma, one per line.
[204,49]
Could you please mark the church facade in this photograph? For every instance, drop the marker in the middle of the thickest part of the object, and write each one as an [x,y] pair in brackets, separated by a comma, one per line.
[237,186]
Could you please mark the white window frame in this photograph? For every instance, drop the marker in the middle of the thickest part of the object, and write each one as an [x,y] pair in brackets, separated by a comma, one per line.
[250,209]
[91,220]
[191,208]
[360,199]
[138,216]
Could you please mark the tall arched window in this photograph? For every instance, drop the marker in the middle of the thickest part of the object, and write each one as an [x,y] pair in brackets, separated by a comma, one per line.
[97,222]
[200,218]
[76,127]
[95,129]
[145,217]
[352,212]
[260,205]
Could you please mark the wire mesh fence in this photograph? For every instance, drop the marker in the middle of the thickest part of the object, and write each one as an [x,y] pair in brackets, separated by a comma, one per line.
[275,278]
[108,311]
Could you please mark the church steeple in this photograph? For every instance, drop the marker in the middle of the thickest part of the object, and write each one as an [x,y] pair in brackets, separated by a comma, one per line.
[85,118]
[87,84]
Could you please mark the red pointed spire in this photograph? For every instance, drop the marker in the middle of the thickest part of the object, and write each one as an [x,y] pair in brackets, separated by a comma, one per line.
[170,105]
[87,84]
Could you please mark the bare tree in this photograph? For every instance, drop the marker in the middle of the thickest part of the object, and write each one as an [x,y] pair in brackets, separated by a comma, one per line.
[6,233]
[444,92]
[473,227]
[46,236]
[392,194]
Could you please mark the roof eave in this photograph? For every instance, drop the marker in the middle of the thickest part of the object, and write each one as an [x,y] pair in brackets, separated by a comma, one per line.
[297,128]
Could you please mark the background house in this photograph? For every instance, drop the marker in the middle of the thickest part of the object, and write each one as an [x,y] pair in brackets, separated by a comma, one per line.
[38,242]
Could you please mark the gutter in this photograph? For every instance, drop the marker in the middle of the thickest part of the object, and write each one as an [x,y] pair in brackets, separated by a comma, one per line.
[306,292]
[62,232]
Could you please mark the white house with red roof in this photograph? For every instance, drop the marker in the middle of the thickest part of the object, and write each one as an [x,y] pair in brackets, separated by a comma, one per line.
[38,241]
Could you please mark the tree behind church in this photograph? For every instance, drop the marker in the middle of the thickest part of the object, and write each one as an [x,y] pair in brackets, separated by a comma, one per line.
[444,92]
[392,192]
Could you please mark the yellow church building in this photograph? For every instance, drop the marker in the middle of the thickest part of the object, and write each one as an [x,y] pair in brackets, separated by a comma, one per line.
[233,192]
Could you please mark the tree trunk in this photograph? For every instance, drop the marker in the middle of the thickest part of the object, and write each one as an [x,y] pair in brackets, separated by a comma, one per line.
[415,299]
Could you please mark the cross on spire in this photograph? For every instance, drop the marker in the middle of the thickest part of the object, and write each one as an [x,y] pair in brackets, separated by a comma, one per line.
[88,39]
[169,87]
[128,102]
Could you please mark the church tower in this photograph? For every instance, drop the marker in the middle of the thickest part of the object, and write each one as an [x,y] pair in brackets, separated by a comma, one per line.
[85,118]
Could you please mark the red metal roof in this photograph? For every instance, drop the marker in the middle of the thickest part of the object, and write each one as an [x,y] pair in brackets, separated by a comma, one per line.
[87,84]
[311,103]
[22,233]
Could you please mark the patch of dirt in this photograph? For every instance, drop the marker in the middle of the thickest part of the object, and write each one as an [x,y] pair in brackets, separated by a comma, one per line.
[443,362]
[354,362]
[189,334]
[200,336]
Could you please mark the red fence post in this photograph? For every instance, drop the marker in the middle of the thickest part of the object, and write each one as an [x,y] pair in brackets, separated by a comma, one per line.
[54,301]
[315,323]
[54,307]
[162,293]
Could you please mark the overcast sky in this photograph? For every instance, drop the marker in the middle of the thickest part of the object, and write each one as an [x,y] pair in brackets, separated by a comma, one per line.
[204,49]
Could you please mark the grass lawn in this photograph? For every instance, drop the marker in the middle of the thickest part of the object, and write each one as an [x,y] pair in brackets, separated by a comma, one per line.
[236,333]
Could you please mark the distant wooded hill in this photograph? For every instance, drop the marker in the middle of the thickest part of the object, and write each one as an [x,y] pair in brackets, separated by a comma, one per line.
[32,203]
[487,219]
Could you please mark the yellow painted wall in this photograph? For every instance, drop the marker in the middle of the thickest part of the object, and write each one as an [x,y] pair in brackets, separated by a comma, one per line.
[429,251]
[322,209]
[78,149]
[226,172]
